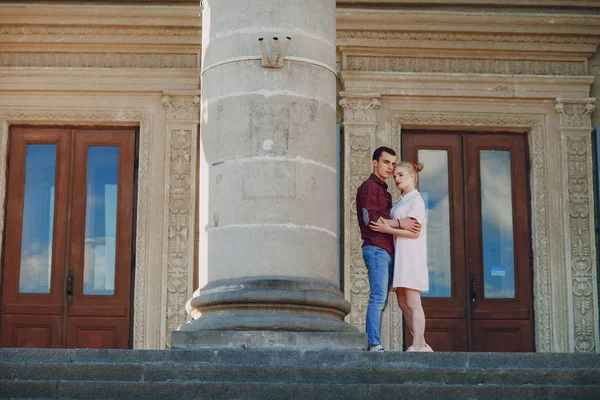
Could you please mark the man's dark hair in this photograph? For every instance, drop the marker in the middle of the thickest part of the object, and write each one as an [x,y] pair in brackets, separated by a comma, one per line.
[382,149]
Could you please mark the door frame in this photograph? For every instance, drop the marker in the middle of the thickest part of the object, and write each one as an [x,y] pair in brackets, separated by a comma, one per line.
[364,132]
[142,321]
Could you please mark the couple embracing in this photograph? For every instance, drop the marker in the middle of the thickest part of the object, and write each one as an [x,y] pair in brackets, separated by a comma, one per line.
[394,245]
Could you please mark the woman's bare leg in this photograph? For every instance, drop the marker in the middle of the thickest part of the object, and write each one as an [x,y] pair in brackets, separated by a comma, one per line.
[408,317]
[413,301]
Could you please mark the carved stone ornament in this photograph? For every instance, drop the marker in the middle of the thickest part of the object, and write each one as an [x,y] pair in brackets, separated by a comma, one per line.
[463,37]
[99,115]
[575,113]
[182,108]
[182,129]
[99,60]
[358,168]
[180,228]
[359,110]
[484,65]
[575,128]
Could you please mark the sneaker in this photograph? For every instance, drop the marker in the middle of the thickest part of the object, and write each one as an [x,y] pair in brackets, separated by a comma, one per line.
[378,349]
[410,349]
[426,349]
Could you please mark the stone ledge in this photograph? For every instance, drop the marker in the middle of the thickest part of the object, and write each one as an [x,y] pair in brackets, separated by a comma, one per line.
[268,340]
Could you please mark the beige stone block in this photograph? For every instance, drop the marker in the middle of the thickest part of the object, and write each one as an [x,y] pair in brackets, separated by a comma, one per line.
[290,250]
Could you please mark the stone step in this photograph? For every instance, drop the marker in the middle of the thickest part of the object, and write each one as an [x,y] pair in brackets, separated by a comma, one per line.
[220,374]
[271,391]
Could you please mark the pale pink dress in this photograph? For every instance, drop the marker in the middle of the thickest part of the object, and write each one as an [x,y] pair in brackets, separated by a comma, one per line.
[410,261]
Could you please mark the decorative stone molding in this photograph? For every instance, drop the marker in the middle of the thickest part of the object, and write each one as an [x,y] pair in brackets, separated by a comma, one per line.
[463,37]
[98,60]
[575,113]
[182,132]
[360,109]
[357,167]
[464,65]
[181,106]
[108,30]
[360,122]
[99,115]
[575,129]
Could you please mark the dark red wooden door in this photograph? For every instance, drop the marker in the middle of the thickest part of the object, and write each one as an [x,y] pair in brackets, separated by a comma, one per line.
[68,238]
[476,191]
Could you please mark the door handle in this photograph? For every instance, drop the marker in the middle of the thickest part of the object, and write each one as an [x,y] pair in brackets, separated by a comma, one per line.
[473,289]
[70,288]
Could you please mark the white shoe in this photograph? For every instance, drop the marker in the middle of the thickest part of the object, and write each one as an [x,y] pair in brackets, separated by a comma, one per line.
[426,349]
[378,349]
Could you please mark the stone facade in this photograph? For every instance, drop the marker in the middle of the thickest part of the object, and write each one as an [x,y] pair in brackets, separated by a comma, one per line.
[497,69]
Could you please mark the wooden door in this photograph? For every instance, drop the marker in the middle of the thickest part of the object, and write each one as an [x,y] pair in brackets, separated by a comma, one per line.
[68,238]
[476,192]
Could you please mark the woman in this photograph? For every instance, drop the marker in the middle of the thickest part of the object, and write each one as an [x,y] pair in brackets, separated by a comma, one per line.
[410,261]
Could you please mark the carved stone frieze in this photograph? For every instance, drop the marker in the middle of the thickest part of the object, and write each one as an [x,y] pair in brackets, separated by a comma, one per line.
[98,60]
[575,114]
[360,110]
[360,122]
[180,229]
[182,127]
[463,37]
[109,30]
[99,115]
[464,65]
[581,254]
[182,108]
[575,127]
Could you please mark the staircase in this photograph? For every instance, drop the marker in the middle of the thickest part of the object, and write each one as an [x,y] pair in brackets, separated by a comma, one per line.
[285,374]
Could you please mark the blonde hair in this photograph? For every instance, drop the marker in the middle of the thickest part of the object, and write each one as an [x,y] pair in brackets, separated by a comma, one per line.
[414,168]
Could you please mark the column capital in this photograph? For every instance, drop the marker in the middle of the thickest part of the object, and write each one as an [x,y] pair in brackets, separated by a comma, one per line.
[575,112]
[360,108]
[182,105]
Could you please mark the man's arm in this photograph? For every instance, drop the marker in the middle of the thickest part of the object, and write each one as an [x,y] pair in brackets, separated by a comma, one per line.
[408,224]
[367,199]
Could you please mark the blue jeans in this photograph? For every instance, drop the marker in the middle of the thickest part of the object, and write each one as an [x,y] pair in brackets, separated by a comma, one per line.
[380,266]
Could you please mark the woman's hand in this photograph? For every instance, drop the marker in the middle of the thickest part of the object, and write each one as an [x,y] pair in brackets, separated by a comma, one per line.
[380,226]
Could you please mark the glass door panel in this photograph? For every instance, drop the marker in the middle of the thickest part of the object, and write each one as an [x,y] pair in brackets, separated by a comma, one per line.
[497,224]
[38,219]
[434,187]
[101,220]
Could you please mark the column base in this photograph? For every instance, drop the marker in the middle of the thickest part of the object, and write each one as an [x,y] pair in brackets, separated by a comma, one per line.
[252,340]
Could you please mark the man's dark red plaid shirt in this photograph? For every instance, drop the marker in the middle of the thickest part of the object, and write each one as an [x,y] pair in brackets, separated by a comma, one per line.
[373,197]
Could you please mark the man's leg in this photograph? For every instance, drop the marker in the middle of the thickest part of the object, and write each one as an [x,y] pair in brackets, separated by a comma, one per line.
[377,261]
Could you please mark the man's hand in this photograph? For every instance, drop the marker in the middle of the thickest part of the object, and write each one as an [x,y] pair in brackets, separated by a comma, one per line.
[380,226]
[410,224]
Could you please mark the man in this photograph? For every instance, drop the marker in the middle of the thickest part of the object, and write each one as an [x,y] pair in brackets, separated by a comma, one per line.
[373,202]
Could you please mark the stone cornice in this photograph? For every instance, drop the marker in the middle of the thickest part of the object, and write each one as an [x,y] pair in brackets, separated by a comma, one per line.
[114,15]
[505,3]
[466,85]
[97,79]
[566,33]
[95,26]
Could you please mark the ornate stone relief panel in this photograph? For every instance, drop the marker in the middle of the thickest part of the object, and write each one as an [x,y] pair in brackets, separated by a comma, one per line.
[182,131]
[484,65]
[360,123]
[98,60]
[575,129]
[100,115]
[359,144]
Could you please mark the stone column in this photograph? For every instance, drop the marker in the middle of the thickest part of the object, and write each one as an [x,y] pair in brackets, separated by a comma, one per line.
[268,176]
[575,130]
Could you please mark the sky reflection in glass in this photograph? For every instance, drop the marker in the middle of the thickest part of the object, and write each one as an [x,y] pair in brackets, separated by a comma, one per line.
[101,220]
[38,219]
[433,186]
[497,224]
